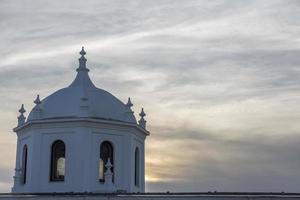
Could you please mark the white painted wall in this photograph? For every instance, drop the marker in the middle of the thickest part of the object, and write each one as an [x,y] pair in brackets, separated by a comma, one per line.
[82,140]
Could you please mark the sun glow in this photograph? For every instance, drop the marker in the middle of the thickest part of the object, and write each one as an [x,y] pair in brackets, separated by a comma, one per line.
[150,178]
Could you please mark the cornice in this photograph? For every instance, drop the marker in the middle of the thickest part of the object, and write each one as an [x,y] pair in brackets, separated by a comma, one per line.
[91,123]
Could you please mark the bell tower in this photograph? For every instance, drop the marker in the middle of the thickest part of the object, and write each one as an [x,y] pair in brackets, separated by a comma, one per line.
[80,139]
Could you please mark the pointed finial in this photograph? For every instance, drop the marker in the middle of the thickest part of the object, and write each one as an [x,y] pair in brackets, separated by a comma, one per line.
[142,114]
[128,114]
[22,110]
[82,61]
[82,52]
[21,118]
[37,110]
[37,101]
[129,103]
[142,121]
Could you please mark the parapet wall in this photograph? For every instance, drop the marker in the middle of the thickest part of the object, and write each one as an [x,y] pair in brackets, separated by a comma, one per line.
[154,196]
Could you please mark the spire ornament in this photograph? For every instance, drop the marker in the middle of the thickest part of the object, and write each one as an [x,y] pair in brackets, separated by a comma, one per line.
[128,112]
[37,110]
[82,61]
[37,101]
[21,118]
[142,121]
[129,103]
[82,77]
[22,109]
[82,52]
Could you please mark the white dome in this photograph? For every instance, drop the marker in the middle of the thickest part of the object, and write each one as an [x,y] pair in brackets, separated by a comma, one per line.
[82,99]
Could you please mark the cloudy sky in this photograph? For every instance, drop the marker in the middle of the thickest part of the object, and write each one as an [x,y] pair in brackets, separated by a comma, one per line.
[219,81]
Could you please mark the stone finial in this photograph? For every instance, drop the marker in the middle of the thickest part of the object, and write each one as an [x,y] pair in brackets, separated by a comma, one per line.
[21,118]
[22,109]
[37,111]
[129,104]
[37,101]
[128,112]
[142,121]
[82,61]
[82,52]
[108,175]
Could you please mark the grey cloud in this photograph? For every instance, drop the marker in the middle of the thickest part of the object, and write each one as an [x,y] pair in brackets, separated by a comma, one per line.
[254,163]
[223,75]
[181,133]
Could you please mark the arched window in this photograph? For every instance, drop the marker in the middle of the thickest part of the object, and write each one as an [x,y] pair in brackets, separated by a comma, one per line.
[24,163]
[106,151]
[58,152]
[137,167]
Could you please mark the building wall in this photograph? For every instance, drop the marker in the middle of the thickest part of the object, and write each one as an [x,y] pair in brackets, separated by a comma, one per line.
[82,144]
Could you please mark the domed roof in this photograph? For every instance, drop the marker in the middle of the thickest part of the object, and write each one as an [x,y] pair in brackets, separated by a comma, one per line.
[82,99]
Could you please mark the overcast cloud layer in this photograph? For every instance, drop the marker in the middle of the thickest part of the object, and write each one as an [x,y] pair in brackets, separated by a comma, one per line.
[219,81]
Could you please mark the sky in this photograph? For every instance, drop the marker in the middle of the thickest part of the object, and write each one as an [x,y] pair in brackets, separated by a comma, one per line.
[219,81]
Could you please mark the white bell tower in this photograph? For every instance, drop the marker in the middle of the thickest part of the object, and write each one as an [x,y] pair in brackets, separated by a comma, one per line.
[80,139]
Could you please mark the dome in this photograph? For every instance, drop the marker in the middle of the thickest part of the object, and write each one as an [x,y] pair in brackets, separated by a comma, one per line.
[82,99]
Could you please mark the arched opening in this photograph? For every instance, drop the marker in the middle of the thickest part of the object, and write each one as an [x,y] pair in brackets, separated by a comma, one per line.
[106,151]
[58,152]
[137,167]
[24,163]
